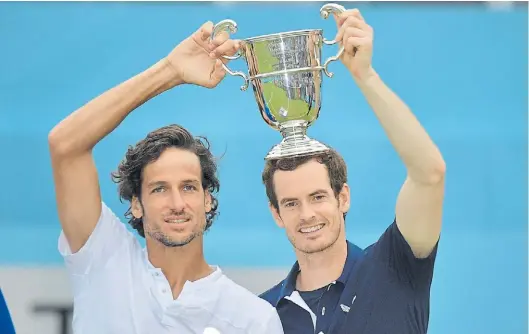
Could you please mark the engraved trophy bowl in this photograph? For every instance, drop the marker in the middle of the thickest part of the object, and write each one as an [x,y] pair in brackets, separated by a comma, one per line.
[286,72]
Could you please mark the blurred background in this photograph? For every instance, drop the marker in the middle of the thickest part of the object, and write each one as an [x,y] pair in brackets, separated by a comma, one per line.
[462,68]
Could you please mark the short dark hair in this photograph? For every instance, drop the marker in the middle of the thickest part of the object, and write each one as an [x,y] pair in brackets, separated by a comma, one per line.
[129,174]
[336,168]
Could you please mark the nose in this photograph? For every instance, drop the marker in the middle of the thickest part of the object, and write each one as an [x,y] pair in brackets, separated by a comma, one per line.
[177,201]
[306,213]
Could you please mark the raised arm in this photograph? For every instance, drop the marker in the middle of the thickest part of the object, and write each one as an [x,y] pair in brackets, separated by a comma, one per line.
[72,140]
[419,204]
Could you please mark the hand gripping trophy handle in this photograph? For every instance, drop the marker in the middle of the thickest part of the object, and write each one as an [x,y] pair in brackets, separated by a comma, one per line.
[231,27]
[325,10]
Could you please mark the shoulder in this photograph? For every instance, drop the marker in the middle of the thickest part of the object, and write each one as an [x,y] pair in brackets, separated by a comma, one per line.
[107,223]
[391,257]
[244,310]
[239,295]
[109,240]
[393,247]
[271,295]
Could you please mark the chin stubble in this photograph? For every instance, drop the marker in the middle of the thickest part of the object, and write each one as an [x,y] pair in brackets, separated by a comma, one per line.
[168,242]
[323,248]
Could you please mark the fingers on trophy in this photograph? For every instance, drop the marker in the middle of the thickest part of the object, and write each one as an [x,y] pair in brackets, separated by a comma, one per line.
[285,71]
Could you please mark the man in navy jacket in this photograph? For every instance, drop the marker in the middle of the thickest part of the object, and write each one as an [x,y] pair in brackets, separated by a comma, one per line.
[336,287]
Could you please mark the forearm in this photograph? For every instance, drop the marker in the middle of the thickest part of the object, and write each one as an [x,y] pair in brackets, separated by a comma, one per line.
[420,155]
[83,129]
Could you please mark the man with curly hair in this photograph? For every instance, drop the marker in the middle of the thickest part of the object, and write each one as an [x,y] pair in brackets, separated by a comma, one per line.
[170,180]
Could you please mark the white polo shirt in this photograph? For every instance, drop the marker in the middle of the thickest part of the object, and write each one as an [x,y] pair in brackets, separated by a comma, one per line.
[118,291]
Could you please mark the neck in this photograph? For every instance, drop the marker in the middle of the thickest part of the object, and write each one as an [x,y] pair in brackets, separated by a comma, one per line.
[179,264]
[320,269]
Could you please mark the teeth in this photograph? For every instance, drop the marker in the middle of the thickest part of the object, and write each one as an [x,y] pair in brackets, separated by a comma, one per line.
[311,229]
[176,221]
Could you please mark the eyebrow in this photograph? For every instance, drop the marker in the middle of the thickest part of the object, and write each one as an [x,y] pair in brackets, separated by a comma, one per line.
[317,192]
[153,184]
[191,181]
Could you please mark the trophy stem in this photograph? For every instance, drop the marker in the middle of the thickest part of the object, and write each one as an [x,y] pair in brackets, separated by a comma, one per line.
[295,142]
[293,130]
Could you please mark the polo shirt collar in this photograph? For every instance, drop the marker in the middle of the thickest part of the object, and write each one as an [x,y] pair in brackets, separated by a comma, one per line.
[353,253]
[289,284]
[203,283]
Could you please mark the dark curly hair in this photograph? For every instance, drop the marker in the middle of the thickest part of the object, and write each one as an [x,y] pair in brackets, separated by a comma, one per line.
[333,161]
[130,171]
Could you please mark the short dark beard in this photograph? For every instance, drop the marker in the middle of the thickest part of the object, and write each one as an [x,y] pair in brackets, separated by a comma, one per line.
[164,239]
[167,242]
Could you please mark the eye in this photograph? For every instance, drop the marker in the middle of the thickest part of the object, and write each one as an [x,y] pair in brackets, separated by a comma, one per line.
[158,189]
[189,187]
[290,204]
[319,197]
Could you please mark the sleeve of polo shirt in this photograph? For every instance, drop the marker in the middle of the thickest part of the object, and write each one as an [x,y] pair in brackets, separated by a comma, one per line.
[395,252]
[110,236]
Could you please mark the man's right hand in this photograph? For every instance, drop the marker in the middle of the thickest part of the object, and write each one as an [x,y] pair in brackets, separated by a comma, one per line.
[198,59]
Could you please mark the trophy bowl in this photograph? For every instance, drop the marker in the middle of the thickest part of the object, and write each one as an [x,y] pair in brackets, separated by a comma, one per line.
[285,71]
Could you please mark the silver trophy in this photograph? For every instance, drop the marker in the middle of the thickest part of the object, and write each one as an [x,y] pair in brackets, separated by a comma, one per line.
[285,70]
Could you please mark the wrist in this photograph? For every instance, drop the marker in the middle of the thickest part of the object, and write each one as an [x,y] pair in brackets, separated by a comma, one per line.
[366,79]
[169,73]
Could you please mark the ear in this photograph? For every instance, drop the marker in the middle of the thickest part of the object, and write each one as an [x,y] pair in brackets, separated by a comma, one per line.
[344,198]
[275,214]
[136,208]
[207,201]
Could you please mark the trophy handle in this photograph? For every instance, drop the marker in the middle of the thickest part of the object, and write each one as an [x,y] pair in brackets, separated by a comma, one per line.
[324,12]
[231,27]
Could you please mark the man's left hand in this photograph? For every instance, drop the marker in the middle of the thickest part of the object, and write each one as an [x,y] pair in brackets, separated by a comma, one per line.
[357,38]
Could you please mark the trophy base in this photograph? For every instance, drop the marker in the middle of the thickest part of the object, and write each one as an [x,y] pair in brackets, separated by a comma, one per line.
[295,143]
[304,147]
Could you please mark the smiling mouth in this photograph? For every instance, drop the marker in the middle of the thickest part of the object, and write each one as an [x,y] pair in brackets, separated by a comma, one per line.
[176,221]
[311,229]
